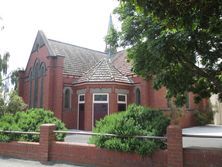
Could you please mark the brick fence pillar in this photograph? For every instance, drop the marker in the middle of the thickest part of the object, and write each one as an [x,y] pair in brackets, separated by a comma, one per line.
[46,137]
[174,146]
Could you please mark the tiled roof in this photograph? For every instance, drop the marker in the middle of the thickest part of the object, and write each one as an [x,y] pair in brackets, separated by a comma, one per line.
[103,71]
[120,62]
[77,59]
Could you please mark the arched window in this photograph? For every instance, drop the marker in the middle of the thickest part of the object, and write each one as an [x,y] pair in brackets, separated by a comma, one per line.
[36,75]
[42,73]
[67,98]
[138,98]
[30,87]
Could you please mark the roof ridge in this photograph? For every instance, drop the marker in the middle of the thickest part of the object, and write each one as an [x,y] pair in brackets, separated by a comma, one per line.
[76,46]
[93,69]
[109,65]
[96,67]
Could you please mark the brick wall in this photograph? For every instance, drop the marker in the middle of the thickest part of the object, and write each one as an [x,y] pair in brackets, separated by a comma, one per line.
[24,150]
[89,154]
[50,150]
[202,157]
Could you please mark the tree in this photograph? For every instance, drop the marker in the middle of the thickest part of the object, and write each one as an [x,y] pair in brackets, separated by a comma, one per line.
[14,78]
[3,71]
[176,43]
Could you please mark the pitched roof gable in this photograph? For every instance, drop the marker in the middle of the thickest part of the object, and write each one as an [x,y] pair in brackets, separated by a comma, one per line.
[103,71]
[77,59]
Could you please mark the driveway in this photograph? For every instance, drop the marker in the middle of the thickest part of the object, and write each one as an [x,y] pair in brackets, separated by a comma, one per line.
[209,130]
[77,138]
[12,162]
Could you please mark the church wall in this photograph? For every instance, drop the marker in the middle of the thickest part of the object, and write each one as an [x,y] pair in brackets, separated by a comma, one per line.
[88,90]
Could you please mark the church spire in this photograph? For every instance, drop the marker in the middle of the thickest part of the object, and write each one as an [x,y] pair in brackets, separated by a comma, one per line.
[111,32]
[110,25]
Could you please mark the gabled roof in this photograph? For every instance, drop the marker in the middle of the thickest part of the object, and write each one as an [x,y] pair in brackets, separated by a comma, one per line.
[77,59]
[120,62]
[103,71]
[90,65]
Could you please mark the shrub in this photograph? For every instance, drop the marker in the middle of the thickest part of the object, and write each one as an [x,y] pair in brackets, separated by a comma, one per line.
[31,120]
[137,120]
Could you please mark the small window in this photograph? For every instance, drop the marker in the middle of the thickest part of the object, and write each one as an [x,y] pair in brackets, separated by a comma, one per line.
[67,98]
[138,100]
[122,102]
[81,98]
[121,98]
[100,98]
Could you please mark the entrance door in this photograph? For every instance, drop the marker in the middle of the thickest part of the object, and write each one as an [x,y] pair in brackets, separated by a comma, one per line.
[81,101]
[100,103]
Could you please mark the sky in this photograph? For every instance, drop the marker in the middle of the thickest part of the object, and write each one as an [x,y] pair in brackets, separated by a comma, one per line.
[79,22]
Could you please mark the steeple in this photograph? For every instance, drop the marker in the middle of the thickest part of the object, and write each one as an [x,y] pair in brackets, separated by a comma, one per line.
[110,23]
[110,50]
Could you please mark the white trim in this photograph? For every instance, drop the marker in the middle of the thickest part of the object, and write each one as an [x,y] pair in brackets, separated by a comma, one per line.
[105,102]
[80,102]
[122,102]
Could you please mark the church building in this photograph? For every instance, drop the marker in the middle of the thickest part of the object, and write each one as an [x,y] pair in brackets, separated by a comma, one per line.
[82,85]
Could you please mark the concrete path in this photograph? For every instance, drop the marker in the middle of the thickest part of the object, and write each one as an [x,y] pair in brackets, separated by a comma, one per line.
[12,162]
[76,138]
[209,130]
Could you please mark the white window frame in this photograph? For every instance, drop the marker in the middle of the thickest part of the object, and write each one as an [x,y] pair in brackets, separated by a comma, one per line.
[122,102]
[79,102]
[94,102]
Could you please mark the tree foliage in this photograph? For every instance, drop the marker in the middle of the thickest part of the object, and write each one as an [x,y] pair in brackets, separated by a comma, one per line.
[176,43]
[14,78]
[14,104]
[29,121]
[3,71]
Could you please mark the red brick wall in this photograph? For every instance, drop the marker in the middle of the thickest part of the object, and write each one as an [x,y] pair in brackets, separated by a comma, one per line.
[91,155]
[175,156]
[194,157]
[24,150]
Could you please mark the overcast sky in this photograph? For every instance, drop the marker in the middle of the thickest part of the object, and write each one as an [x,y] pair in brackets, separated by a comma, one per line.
[79,22]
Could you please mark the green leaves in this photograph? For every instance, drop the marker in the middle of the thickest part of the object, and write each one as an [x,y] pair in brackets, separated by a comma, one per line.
[136,121]
[176,43]
[31,120]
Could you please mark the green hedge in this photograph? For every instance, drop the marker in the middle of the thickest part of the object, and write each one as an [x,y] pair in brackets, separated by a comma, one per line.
[137,120]
[29,121]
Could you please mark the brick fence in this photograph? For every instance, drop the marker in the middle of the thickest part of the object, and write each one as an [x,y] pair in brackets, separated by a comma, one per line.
[85,154]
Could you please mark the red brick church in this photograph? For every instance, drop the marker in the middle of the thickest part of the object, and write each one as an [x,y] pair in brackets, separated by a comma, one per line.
[82,85]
